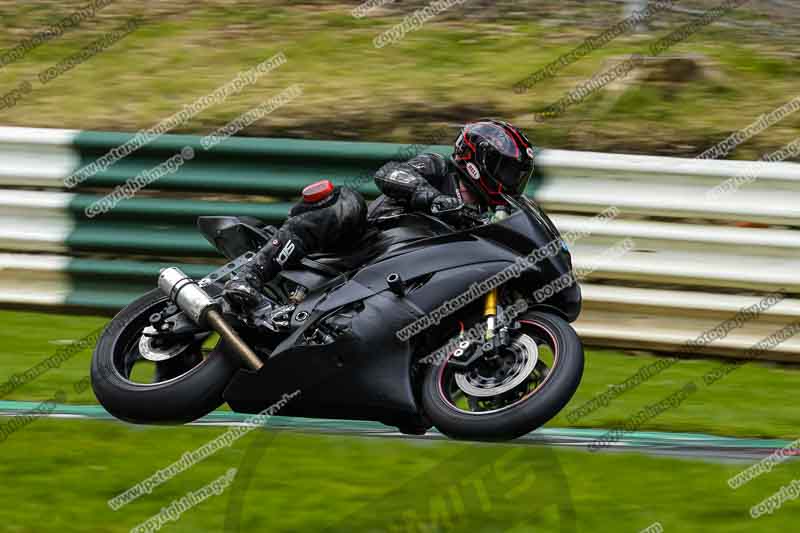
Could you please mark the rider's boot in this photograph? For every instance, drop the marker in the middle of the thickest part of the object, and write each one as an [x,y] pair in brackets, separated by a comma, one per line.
[245,290]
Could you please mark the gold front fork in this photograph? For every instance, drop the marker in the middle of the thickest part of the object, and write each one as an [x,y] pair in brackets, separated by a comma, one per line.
[490,307]
[490,312]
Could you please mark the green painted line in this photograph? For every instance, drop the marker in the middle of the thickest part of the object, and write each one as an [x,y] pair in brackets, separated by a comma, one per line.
[662,438]
[633,439]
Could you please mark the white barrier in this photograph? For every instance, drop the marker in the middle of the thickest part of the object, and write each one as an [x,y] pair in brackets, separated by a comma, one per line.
[697,259]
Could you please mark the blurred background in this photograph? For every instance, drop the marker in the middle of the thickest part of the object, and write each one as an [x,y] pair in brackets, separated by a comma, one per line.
[699,259]
[458,66]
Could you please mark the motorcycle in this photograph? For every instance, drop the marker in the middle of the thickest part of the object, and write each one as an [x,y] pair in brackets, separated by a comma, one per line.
[362,335]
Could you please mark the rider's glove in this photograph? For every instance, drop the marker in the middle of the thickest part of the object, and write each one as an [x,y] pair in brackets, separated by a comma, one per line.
[444,202]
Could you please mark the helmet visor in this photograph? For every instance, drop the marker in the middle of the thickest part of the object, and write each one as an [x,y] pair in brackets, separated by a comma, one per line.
[513,174]
[498,137]
[507,164]
[519,176]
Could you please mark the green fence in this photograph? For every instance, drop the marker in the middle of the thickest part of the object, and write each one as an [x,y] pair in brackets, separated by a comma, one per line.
[116,255]
[697,257]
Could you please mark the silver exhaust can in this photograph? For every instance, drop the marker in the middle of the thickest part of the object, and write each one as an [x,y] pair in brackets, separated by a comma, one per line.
[202,310]
[186,294]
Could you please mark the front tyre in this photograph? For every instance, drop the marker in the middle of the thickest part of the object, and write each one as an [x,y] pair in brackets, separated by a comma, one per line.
[507,396]
[183,388]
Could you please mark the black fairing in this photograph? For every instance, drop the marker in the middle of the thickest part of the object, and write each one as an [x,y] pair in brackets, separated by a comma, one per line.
[524,233]
[366,372]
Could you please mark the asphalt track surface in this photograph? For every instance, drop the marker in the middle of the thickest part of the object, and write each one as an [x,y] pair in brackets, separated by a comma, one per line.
[689,445]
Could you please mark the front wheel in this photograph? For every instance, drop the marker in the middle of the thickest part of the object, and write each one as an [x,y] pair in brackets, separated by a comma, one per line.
[186,385]
[508,395]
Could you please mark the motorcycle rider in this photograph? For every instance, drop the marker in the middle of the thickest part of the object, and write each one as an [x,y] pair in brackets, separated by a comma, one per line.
[490,157]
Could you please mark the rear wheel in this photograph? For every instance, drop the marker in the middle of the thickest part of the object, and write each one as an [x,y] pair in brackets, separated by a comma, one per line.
[187,384]
[504,397]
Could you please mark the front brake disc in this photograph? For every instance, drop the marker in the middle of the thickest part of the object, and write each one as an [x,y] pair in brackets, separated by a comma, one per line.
[526,354]
[156,354]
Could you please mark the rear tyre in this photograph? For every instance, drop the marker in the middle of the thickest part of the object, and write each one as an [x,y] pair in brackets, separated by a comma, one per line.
[180,390]
[506,399]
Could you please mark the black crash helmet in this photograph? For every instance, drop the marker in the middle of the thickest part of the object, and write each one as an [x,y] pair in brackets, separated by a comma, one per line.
[495,157]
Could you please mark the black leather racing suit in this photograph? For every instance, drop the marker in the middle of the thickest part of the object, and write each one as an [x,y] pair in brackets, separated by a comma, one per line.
[327,225]
[428,182]
[423,183]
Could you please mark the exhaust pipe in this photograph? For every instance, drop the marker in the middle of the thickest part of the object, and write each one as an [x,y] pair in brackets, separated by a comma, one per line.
[203,311]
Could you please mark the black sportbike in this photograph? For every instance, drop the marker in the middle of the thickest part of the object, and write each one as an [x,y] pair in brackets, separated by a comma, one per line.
[362,335]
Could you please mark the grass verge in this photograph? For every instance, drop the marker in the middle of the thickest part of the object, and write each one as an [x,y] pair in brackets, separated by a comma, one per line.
[299,482]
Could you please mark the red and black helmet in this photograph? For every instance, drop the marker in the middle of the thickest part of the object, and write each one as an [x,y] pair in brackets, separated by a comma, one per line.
[495,157]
